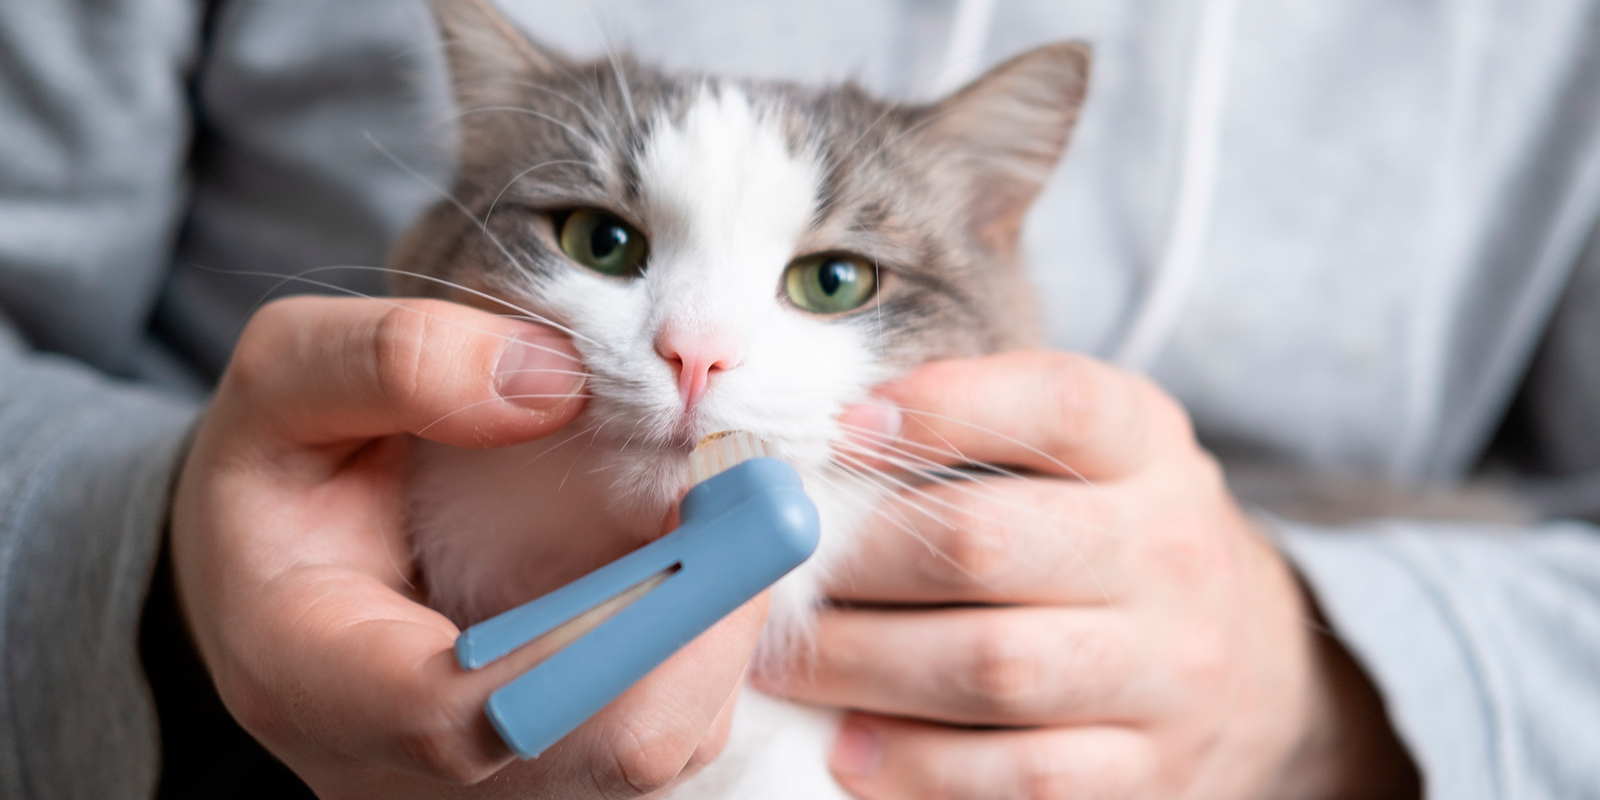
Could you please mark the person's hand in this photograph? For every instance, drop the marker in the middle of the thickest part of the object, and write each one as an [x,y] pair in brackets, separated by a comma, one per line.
[295,575]
[1113,626]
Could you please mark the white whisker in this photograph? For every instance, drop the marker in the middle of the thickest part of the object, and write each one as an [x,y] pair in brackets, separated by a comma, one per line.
[1057,463]
[550,371]
[522,313]
[547,451]
[871,503]
[470,406]
[1047,526]
[285,279]
[483,228]
[519,176]
[563,124]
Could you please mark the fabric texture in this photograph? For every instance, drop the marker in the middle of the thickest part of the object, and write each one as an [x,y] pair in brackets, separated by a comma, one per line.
[151,151]
[1447,621]
[83,500]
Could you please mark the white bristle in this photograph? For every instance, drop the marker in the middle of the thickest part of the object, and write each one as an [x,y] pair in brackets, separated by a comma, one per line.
[720,452]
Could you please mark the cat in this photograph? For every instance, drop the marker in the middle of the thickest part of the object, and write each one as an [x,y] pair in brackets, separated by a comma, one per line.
[726,254]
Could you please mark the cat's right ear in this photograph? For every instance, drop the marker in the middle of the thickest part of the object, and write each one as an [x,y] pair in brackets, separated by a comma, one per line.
[1004,132]
[490,59]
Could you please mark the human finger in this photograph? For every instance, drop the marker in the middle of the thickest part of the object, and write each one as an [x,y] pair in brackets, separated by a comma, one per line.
[973,666]
[877,758]
[387,693]
[716,737]
[995,540]
[1056,413]
[318,371]
[666,724]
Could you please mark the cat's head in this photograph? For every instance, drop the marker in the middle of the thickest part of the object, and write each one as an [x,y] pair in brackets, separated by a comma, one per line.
[738,254]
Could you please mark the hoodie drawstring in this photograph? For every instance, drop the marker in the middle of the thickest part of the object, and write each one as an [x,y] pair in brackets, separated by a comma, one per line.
[1173,280]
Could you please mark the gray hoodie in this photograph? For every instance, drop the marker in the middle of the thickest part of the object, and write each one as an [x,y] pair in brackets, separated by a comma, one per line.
[1351,237]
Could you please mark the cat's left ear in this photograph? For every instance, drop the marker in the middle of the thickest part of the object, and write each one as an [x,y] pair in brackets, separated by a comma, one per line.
[491,61]
[1005,131]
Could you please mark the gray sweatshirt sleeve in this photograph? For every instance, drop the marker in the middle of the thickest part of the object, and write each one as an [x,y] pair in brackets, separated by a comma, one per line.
[85,465]
[94,127]
[1484,642]
[141,139]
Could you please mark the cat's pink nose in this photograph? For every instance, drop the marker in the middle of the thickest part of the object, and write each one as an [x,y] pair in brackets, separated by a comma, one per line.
[696,355]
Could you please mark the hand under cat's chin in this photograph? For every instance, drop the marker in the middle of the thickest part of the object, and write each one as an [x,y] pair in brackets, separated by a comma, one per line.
[1121,582]
[290,560]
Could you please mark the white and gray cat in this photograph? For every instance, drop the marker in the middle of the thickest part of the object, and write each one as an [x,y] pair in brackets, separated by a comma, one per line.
[726,254]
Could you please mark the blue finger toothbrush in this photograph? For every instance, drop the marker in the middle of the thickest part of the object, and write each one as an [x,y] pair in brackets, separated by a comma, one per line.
[745,524]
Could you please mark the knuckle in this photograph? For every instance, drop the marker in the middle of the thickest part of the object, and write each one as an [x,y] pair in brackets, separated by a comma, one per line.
[1186,554]
[1167,422]
[1169,414]
[435,757]
[1047,773]
[707,751]
[1043,775]
[1048,782]
[397,351]
[972,553]
[1005,676]
[433,739]
[254,710]
[1073,401]
[646,757]
[1201,661]
[1209,476]
[261,343]
[1193,553]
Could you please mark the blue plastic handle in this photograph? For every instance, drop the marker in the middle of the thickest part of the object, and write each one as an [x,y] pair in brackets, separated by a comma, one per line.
[741,531]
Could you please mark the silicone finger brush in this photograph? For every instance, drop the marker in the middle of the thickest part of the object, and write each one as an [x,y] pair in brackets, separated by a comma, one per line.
[745,524]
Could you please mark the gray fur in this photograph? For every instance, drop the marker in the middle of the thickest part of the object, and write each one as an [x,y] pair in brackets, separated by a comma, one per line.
[933,194]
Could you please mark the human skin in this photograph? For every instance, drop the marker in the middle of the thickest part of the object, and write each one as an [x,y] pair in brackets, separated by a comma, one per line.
[1124,629]
[1114,622]
[294,574]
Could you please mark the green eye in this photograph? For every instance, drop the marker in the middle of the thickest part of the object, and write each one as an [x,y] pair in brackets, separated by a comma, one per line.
[603,243]
[829,284]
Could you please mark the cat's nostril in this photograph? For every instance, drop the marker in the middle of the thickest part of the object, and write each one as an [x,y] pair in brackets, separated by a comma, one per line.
[694,356]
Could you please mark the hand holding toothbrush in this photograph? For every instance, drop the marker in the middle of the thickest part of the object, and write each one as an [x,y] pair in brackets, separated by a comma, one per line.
[294,574]
[1112,626]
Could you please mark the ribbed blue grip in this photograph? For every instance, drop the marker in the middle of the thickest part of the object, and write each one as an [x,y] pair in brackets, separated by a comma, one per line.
[741,531]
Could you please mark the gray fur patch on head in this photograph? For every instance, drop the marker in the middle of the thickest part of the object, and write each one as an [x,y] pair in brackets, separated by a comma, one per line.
[933,195]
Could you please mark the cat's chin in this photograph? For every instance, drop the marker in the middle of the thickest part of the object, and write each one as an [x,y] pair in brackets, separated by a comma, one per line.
[497,528]
[644,484]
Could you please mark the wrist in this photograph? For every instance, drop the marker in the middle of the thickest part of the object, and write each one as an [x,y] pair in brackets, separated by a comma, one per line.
[204,752]
[1349,749]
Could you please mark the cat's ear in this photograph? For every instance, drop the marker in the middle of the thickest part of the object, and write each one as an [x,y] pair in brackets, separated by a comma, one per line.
[1005,132]
[490,59]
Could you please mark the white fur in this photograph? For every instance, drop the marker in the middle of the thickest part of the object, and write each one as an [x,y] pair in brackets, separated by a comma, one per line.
[776,751]
[725,204]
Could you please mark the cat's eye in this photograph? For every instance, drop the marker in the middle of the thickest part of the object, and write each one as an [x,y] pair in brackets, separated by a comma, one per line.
[830,284]
[603,243]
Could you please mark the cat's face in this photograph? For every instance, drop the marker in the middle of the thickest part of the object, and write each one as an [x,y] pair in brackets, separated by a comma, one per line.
[732,254]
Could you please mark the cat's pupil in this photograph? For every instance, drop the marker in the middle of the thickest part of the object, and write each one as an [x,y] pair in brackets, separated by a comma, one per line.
[605,239]
[833,274]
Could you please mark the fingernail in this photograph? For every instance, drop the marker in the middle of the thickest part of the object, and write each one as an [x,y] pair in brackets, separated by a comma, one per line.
[539,369]
[856,752]
[873,425]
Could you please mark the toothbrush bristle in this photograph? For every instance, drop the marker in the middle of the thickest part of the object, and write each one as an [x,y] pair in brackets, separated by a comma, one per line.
[722,451]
